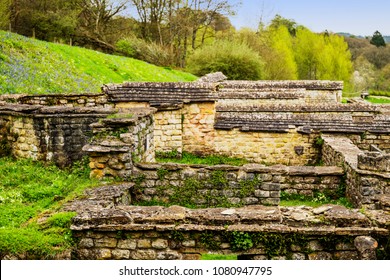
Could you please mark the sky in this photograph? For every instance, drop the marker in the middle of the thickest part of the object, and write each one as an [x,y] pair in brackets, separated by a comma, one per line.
[358,17]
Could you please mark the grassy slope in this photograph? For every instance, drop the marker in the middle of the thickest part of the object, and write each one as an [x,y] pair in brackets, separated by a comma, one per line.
[33,66]
[28,189]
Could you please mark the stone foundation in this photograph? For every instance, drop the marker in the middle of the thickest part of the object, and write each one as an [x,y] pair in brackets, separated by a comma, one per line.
[107,228]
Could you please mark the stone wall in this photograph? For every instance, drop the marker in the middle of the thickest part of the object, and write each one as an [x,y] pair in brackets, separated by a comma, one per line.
[55,134]
[68,100]
[225,186]
[107,227]
[364,187]
[120,141]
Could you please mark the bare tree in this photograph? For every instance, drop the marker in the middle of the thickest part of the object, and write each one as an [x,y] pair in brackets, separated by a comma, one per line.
[96,15]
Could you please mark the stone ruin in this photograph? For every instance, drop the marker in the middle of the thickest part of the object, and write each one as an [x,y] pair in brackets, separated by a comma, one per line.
[282,128]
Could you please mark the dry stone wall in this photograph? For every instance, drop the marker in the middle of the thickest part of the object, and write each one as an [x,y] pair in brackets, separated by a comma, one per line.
[365,188]
[120,141]
[109,227]
[224,185]
[55,133]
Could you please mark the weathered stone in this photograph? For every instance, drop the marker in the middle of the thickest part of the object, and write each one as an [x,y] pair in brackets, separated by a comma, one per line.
[143,255]
[121,254]
[86,243]
[106,242]
[320,256]
[160,244]
[366,247]
[129,244]
[144,244]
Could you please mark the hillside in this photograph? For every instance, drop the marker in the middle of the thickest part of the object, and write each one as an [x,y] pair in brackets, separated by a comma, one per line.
[33,66]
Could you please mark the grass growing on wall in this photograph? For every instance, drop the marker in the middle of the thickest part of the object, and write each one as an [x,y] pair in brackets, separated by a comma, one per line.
[189,158]
[27,191]
[32,66]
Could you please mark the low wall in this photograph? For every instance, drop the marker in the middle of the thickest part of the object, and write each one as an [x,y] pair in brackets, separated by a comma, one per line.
[55,134]
[364,187]
[230,186]
[106,227]
[68,100]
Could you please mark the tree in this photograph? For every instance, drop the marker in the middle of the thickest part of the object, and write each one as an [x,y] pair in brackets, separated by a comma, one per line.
[377,39]
[236,60]
[95,17]
[280,60]
[5,13]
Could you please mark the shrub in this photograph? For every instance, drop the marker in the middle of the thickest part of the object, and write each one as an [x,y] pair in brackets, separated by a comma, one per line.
[236,60]
[147,51]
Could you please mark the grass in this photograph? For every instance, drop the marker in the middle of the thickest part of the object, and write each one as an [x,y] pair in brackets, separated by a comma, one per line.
[189,158]
[30,190]
[37,67]
[318,199]
[214,257]
[378,100]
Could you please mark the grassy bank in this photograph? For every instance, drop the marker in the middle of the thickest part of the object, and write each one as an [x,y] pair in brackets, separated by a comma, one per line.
[33,66]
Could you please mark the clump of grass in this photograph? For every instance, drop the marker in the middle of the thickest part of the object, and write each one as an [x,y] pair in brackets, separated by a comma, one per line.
[318,199]
[28,189]
[189,158]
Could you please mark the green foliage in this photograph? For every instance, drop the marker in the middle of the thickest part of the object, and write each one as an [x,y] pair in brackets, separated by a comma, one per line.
[214,257]
[378,40]
[61,220]
[316,200]
[147,51]
[240,241]
[322,56]
[28,189]
[236,60]
[189,158]
[32,66]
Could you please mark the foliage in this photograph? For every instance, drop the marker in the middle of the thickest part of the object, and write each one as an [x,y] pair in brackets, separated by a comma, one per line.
[214,257]
[32,66]
[189,158]
[240,241]
[236,60]
[29,189]
[280,63]
[322,56]
[147,51]
[377,40]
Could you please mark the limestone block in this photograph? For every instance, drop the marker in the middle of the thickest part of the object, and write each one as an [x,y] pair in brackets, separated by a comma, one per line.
[189,243]
[168,255]
[320,256]
[106,242]
[366,246]
[120,254]
[86,243]
[129,244]
[160,244]
[143,255]
[144,244]
[103,254]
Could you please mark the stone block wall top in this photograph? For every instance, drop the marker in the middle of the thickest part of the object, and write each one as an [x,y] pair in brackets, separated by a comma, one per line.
[209,91]
[58,111]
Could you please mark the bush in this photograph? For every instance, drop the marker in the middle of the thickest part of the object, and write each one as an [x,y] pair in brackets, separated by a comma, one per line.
[146,51]
[236,60]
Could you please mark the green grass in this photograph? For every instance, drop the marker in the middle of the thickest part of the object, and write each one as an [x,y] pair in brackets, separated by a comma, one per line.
[189,158]
[29,190]
[214,257]
[318,199]
[378,100]
[32,66]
